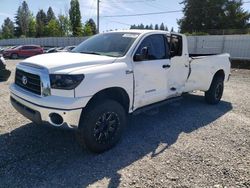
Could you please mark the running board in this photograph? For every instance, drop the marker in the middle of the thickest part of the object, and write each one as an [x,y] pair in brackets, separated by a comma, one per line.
[156,105]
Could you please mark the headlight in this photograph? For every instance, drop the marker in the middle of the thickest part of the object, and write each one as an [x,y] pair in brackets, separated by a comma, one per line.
[64,81]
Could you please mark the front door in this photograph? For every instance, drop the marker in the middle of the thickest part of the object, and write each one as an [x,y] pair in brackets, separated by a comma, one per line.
[151,65]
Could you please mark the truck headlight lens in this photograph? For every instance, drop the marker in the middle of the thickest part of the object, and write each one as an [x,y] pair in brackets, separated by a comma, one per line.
[64,81]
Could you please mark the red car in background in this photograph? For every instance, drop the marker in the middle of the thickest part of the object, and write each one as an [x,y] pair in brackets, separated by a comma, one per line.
[23,51]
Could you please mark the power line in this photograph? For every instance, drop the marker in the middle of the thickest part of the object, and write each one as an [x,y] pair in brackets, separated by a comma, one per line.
[122,23]
[136,1]
[143,14]
[154,13]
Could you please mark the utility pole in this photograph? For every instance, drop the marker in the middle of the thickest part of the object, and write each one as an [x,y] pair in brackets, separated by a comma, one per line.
[98,16]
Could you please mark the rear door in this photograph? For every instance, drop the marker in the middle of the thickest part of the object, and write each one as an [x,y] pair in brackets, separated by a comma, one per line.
[151,72]
[179,71]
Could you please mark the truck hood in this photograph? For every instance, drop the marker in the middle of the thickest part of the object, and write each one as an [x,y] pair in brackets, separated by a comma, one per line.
[66,62]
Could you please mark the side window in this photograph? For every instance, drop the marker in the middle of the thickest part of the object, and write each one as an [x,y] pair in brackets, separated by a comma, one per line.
[175,45]
[26,47]
[155,47]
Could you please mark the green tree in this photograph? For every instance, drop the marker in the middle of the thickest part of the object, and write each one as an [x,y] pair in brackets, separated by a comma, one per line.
[32,27]
[50,15]
[92,25]
[141,26]
[162,27]
[40,23]
[64,25]
[7,29]
[75,18]
[200,16]
[87,30]
[52,29]
[22,19]
[234,16]
[156,27]
[133,26]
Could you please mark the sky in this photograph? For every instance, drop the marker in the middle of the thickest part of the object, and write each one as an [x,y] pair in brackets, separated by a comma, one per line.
[8,8]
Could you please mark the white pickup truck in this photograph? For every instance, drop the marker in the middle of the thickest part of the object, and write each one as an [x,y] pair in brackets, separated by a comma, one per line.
[105,78]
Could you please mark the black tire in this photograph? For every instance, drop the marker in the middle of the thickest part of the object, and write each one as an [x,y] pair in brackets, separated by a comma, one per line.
[14,56]
[101,126]
[215,92]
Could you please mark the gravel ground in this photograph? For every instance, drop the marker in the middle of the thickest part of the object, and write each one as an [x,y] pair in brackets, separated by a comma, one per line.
[186,144]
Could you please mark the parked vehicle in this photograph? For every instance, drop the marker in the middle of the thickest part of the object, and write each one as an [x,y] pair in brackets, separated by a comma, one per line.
[23,51]
[2,49]
[60,49]
[4,73]
[109,76]
[51,50]
[69,48]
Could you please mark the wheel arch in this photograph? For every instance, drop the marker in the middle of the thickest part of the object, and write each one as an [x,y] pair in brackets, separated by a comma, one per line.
[114,93]
[220,74]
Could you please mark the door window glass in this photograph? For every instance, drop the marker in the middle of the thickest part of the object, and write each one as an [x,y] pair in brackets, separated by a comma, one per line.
[156,47]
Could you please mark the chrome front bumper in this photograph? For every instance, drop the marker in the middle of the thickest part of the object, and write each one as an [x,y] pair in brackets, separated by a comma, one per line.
[42,115]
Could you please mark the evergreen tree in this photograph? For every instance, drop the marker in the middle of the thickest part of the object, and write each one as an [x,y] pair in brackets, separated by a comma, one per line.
[213,14]
[162,27]
[92,25]
[7,29]
[156,27]
[141,26]
[64,25]
[52,29]
[32,27]
[41,20]
[22,19]
[75,18]
[50,15]
[133,26]
[87,30]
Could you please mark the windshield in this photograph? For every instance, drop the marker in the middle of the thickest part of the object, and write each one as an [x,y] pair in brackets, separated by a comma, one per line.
[109,44]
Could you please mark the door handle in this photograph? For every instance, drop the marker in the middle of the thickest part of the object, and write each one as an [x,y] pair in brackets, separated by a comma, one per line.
[166,66]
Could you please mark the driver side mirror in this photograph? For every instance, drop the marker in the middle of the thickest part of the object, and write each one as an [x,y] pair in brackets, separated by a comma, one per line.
[143,55]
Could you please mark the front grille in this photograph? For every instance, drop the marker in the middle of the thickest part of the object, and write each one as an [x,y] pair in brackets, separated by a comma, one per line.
[32,84]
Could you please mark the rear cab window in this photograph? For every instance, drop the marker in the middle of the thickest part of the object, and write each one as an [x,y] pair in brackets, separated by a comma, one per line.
[175,46]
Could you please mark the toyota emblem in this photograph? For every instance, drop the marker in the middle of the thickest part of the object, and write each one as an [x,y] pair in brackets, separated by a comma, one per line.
[24,80]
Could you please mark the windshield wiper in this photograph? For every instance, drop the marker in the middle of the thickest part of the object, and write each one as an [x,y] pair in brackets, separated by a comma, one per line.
[95,53]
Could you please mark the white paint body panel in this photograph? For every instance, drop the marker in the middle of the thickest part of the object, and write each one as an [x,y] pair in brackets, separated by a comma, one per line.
[149,82]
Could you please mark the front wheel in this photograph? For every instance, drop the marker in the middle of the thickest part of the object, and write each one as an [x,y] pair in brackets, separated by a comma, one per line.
[14,56]
[215,92]
[101,126]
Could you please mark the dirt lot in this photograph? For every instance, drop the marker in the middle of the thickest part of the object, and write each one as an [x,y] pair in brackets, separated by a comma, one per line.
[187,144]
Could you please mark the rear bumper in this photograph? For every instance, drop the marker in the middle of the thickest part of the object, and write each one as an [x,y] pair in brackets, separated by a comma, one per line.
[42,115]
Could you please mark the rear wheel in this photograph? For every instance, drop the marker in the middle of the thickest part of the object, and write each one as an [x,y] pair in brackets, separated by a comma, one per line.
[215,92]
[101,127]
